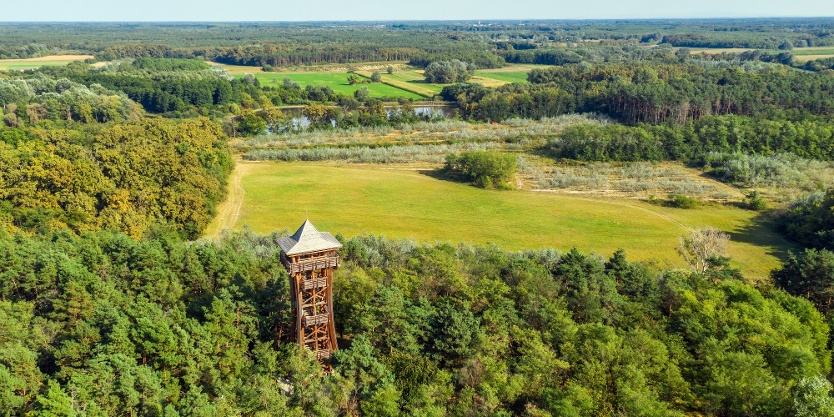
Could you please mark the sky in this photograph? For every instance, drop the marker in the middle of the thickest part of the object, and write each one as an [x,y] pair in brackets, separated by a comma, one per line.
[340,10]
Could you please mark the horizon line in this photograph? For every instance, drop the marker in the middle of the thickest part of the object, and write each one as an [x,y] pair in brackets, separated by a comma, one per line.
[467,20]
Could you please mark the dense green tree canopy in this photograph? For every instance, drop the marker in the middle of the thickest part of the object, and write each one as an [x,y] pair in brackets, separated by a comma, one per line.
[102,324]
[445,72]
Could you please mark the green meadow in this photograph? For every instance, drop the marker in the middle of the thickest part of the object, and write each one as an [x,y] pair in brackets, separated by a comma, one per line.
[813,51]
[408,83]
[509,76]
[337,81]
[404,202]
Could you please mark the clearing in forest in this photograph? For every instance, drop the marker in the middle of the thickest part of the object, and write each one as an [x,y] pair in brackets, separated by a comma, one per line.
[404,82]
[337,81]
[408,202]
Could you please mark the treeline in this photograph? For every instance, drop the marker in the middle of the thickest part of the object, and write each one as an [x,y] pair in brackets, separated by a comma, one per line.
[812,138]
[128,176]
[819,64]
[32,50]
[478,59]
[39,98]
[164,85]
[748,40]
[595,54]
[159,65]
[279,56]
[650,93]
[106,325]
[755,55]
[326,48]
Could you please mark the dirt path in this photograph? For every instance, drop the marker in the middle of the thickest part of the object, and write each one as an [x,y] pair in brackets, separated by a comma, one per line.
[229,210]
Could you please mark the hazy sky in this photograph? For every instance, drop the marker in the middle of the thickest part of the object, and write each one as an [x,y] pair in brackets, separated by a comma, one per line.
[280,10]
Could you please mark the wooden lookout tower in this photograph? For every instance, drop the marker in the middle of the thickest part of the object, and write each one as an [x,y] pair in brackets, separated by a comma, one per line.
[310,258]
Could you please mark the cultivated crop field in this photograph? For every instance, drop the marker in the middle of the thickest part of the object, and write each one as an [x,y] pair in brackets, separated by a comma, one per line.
[30,63]
[405,201]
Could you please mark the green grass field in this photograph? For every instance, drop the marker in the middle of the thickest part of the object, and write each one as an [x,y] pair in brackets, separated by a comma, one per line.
[337,81]
[405,203]
[407,83]
[415,79]
[813,51]
[509,76]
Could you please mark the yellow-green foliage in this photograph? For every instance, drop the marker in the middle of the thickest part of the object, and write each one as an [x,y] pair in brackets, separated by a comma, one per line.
[126,177]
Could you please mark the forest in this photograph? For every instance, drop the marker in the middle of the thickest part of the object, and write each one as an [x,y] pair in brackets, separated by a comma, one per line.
[114,299]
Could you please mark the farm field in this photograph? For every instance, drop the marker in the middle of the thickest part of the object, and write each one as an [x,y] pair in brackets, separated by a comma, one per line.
[806,58]
[718,50]
[238,70]
[403,202]
[30,63]
[813,51]
[337,81]
[410,80]
[365,66]
[503,76]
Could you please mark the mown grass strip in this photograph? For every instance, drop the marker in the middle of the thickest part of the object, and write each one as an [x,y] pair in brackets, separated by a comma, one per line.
[402,85]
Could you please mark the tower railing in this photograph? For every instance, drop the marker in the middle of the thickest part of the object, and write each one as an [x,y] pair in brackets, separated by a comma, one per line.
[304,265]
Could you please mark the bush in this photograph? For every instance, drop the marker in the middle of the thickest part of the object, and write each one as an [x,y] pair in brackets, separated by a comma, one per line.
[681,201]
[810,221]
[250,124]
[754,201]
[484,169]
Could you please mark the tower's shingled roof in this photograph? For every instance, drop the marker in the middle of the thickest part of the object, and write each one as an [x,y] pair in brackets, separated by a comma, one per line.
[308,239]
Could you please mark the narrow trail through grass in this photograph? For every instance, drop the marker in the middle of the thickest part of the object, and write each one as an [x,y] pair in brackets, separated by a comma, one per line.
[229,210]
